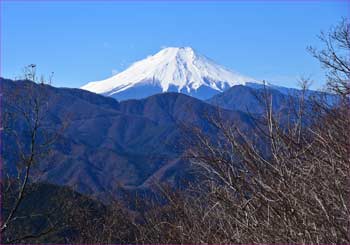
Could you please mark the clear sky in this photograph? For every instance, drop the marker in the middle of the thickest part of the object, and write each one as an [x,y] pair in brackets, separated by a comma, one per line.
[87,41]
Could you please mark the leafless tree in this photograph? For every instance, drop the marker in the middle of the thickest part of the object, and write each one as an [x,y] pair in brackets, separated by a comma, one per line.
[28,139]
[335,57]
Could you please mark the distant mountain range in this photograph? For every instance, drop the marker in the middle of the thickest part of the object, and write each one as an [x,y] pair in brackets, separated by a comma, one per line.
[110,144]
[170,70]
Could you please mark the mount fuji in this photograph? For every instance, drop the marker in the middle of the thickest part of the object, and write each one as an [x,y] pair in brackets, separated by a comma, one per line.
[173,69]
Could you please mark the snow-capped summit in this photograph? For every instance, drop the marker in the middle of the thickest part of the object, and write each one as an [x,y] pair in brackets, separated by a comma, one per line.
[172,69]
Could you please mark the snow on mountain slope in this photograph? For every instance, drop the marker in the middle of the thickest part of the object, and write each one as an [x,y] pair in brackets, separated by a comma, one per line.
[172,69]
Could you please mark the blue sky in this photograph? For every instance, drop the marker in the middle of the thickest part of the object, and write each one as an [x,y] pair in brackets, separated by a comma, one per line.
[87,41]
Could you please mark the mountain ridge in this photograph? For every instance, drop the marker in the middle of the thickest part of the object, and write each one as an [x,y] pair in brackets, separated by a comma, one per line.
[108,144]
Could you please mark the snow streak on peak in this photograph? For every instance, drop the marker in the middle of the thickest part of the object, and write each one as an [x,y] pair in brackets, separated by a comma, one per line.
[179,68]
